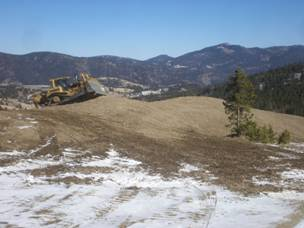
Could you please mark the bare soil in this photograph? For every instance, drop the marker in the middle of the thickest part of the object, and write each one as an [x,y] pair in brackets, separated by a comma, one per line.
[160,134]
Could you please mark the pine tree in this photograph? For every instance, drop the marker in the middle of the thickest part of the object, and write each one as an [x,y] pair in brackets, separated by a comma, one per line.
[284,138]
[239,97]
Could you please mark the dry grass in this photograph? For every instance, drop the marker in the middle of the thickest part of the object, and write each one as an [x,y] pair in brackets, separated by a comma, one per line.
[172,118]
[160,134]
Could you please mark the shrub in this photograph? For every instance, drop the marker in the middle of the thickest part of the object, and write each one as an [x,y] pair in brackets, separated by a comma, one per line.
[251,131]
[284,137]
[266,134]
[263,134]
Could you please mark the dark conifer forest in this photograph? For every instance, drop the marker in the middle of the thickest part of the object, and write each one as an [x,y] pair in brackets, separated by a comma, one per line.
[279,90]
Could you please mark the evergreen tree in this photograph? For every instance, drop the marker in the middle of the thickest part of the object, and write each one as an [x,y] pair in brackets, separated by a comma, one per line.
[239,97]
[284,138]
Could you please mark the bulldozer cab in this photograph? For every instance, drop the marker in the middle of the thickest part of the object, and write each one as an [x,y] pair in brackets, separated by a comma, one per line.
[60,82]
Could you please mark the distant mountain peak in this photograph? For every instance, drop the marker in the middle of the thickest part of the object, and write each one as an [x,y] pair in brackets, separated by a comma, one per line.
[160,58]
[225,44]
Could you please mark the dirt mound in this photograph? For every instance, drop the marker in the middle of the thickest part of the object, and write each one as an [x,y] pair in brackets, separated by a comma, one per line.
[175,117]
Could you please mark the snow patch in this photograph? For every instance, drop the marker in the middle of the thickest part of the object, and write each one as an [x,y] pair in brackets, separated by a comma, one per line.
[48,142]
[273,158]
[295,147]
[209,67]
[11,153]
[123,194]
[126,193]
[226,50]
[262,181]
[300,225]
[29,118]
[179,66]
[151,92]
[24,127]
[293,174]
[187,168]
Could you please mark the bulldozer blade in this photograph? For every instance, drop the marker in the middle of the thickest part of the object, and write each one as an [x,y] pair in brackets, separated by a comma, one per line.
[82,96]
[95,86]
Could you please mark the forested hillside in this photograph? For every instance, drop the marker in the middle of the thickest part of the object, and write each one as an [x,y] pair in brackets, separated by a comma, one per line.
[280,90]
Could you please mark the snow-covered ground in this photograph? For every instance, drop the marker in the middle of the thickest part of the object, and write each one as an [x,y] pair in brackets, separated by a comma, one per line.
[295,147]
[78,188]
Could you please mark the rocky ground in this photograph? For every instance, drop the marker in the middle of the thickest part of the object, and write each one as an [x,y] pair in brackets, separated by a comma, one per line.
[117,156]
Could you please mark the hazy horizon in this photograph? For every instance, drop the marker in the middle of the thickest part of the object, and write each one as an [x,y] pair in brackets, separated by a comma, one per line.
[78,56]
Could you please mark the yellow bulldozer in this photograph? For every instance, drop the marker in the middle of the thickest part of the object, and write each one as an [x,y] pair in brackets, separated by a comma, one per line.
[63,90]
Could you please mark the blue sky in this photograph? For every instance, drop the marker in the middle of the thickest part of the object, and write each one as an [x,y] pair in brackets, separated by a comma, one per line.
[142,29]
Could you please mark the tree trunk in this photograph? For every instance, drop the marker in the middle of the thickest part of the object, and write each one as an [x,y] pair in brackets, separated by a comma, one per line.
[238,120]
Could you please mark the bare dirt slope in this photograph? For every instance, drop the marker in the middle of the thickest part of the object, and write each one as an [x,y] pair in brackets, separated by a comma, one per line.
[174,117]
[162,135]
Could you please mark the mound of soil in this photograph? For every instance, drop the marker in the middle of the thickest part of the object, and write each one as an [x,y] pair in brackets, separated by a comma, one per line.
[172,118]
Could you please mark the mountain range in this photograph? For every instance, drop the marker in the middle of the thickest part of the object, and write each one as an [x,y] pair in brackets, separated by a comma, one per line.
[208,66]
